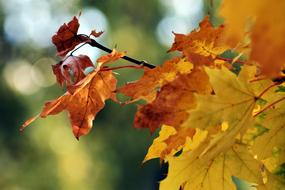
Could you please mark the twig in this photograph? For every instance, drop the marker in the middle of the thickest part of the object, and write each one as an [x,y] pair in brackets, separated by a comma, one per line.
[94,43]
[122,67]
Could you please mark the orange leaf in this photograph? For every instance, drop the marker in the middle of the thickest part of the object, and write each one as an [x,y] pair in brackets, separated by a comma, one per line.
[83,105]
[200,46]
[96,34]
[66,37]
[84,99]
[173,101]
[268,42]
[111,57]
[147,86]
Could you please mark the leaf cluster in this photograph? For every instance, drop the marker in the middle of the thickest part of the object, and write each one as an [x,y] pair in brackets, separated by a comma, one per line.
[219,117]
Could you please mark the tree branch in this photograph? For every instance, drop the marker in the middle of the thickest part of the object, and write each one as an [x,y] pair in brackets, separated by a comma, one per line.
[94,43]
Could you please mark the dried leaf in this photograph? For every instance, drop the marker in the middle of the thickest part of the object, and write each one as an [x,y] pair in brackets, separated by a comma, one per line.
[66,37]
[71,67]
[96,34]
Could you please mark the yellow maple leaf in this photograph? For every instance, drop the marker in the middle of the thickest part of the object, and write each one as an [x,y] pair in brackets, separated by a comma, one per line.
[233,102]
[190,170]
[170,141]
[265,144]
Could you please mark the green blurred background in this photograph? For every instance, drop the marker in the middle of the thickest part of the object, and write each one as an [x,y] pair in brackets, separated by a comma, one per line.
[46,155]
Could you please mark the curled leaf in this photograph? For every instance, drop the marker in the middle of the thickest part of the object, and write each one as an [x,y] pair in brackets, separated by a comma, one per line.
[66,37]
[71,67]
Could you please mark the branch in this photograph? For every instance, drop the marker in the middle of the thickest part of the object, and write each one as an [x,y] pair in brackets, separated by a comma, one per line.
[94,43]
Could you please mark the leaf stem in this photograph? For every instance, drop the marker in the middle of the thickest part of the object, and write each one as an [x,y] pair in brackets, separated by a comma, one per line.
[77,48]
[268,106]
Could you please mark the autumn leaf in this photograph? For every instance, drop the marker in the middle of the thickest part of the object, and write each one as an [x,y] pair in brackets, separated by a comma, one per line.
[111,57]
[201,46]
[71,67]
[234,99]
[169,142]
[173,101]
[84,100]
[237,22]
[146,87]
[267,36]
[272,182]
[96,34]
[191,170]
[66,37]
[265,28]
[273,138]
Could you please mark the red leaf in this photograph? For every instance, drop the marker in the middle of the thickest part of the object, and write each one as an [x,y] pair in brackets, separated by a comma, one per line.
[66,37]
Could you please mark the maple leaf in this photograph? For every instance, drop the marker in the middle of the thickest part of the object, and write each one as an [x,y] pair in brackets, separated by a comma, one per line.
[173,101]
[66,37]
[146,87]
[200,46]
[71,66]
[169,142]
[195,170]
[233,102]
[85,99]
[273,138]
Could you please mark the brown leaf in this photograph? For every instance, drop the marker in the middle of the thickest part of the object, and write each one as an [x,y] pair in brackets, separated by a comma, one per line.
[66,37]
[71,67]
[96,34]
[172,101]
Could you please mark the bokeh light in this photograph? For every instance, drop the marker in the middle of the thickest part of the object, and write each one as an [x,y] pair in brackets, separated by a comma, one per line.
[181,16]
[18,75]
